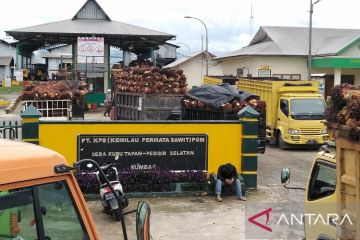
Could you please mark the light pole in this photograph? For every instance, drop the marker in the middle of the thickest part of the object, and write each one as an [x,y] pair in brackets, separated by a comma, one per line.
[186,46]
[206,42]
[310,33]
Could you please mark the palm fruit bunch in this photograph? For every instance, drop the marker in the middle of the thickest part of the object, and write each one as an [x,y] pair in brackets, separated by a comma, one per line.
[147,79]
[343,110]
[55,90]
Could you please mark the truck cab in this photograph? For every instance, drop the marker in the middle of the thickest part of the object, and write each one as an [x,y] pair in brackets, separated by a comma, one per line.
[320,201]
[36,202]
[298,121]
[295,111]
[40,198]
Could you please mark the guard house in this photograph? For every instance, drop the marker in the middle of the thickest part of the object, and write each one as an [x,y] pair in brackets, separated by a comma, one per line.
[90,32]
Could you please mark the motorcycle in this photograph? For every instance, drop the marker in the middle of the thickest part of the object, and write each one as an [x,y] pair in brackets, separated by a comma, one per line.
[109,203]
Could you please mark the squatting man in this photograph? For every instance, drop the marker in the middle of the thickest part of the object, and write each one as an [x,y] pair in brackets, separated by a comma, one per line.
[227,175]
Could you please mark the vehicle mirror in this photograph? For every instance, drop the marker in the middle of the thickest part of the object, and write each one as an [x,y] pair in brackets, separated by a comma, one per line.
[285,176]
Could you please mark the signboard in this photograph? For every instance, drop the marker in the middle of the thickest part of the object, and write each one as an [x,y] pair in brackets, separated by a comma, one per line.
[264,73]
[90,50]
[265,67]
[19,75]
[144,152]
[7,82]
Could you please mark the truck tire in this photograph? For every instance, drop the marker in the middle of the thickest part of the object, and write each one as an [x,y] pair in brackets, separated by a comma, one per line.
[282,144]
[32,77]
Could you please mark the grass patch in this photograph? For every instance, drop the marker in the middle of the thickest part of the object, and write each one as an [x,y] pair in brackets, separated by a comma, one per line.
[9,90]
[2,98]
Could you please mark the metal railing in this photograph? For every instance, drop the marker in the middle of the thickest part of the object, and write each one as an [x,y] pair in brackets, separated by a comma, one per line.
[50,108]
[10,130]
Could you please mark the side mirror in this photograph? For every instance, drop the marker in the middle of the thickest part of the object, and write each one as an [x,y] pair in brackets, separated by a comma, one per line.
[285,176]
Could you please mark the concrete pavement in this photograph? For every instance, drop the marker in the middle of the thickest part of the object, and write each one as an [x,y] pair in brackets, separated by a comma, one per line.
[201,217]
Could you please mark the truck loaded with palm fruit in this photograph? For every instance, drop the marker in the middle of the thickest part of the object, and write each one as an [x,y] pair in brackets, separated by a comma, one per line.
[223,102]
[295,109]
[145,92]
[333,189]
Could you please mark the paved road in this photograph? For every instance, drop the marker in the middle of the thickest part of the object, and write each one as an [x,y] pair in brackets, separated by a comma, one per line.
[190,218]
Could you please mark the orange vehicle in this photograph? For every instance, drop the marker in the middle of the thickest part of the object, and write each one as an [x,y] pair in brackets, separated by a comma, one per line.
[40,198]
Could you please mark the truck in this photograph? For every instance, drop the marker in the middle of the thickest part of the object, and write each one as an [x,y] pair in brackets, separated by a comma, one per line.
[332,191]
[295,110]
[139,106]
[40,198]
[35,72]
[320,194]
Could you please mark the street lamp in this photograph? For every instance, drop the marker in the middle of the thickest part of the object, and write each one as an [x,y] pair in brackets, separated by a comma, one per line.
[310,33]
[206,42]
[185,46]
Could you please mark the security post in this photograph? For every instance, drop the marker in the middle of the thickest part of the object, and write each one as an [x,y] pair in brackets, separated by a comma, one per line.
[249,119]
[30,125]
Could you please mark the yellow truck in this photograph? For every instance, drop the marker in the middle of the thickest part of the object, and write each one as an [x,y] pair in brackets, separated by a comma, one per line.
[332,192]
[294,111]
[320,196]
[40,198]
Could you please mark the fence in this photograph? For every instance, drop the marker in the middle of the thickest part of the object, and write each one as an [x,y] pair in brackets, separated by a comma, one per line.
[10,130]
[50,108]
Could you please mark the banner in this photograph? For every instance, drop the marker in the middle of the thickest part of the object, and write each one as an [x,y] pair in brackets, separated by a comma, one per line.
[90,50]
[143,152]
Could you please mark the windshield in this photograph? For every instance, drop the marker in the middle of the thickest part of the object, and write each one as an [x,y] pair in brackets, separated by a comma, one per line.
[40,212]
[311,109]
[323,180]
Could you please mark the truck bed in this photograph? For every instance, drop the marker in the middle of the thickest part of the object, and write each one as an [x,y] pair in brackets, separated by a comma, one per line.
[348,183]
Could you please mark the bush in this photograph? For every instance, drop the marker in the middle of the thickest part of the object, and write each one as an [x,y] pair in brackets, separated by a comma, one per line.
[154,180]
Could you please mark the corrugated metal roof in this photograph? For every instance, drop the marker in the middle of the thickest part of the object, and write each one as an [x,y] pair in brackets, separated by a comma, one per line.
[90,26]
[293,41]
[184,59]
[5,61]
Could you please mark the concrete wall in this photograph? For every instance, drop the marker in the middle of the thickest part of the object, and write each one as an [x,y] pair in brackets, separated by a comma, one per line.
[166,51]
[6,50]
[5,71]
[353,51]
[277,65]
[195,68]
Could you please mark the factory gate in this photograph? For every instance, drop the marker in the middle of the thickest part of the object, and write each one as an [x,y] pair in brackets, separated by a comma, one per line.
[175,145]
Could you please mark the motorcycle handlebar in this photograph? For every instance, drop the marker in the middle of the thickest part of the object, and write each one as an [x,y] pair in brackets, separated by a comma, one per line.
[106,167]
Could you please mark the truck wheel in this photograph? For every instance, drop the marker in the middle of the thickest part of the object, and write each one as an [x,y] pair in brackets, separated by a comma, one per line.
[32,77]
[282,144]
[117,214]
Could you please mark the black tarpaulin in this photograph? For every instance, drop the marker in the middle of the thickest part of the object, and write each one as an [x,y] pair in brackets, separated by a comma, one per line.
[216,95]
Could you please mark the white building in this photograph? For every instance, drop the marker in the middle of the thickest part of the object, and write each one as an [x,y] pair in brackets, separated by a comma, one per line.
[7,53]
[282,52]
[194,67]
[57,58]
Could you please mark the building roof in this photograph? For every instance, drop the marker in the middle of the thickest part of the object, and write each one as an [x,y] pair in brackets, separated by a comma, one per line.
[91,10]
[89,21]
[16,164]
[5,42]
[56,55]
[88,26]
[293,41]
[5,61]
[186,58]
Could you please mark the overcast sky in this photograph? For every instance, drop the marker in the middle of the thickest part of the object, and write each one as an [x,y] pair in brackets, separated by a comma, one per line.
[228,21]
